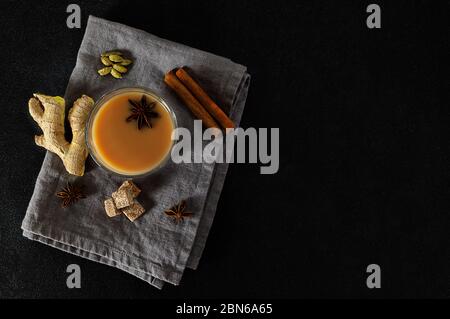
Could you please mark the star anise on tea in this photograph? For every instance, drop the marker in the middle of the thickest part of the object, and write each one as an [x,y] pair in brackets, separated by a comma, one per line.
[70,194]
[178,212]
[142,112]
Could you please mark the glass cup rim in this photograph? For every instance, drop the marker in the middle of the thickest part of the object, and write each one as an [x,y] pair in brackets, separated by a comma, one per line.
[100,102]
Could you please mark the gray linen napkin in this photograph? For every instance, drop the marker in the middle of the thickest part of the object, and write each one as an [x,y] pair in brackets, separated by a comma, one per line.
[153,248]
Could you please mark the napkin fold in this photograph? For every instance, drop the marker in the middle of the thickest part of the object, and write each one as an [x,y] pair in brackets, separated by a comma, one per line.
[153,248]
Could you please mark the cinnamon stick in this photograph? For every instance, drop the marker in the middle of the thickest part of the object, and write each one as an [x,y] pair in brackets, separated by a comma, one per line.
[204,99]
[191,102]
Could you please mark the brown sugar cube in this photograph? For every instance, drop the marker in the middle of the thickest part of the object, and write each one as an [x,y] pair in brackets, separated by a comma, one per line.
[111,209]
[134,211]
[122,198]
[135,191]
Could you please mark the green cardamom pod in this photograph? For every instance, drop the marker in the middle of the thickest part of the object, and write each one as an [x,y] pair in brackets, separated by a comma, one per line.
[106,61]
[116,58]
[107,54]
[116,74]
[126,62]
[120,68]
[105,71]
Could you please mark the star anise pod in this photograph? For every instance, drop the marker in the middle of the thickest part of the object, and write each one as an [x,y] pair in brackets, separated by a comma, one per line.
[142,112]
[177,212]
[70,194]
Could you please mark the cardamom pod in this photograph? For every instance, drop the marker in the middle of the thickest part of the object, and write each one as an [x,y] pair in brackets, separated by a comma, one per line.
[126,62]
[120,68]
[107,54]
[116,74]
[106,61]
[115,58]
[105,71]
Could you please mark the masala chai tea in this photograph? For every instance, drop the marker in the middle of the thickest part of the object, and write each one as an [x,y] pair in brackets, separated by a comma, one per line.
[130,131]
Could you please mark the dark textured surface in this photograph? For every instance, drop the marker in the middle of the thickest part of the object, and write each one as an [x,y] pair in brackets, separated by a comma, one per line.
[365,156]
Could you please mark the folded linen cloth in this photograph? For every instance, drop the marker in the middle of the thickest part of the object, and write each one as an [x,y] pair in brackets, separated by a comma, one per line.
[152,248]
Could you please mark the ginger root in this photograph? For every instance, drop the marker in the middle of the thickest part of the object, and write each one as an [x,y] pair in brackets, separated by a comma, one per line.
[49,113]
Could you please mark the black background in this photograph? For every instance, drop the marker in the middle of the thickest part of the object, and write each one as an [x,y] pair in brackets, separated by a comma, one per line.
[364,153]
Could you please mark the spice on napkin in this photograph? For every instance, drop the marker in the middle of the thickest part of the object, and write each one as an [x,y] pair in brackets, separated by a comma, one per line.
[158,250]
